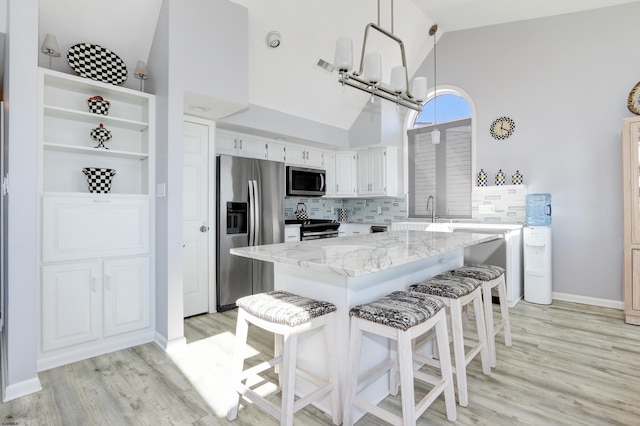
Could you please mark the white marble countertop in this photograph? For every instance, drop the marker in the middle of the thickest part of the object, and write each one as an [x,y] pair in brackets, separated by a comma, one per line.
[359,255]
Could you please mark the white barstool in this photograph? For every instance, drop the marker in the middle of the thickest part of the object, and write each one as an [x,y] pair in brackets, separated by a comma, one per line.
[492,277]
[456,293]
[399,316]
[286,315]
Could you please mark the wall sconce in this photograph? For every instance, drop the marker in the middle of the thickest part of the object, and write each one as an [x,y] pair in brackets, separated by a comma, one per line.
[50,47]
[141,73]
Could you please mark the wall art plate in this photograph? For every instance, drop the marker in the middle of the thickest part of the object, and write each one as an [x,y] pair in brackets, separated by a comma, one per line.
[97,63]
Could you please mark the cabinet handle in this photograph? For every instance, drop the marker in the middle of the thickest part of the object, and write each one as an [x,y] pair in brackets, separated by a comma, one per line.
[240,143]
[101,201]
[337,188]
[95,284]
[108,281]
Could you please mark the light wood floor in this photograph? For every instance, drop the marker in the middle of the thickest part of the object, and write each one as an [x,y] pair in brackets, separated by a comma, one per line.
[570,364]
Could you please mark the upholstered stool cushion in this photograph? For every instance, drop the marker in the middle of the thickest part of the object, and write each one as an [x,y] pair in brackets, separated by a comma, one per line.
[444,285]
[400,309]
[478,271]
[284,308]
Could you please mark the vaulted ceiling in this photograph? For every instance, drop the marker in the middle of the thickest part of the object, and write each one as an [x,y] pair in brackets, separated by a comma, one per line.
[287,79]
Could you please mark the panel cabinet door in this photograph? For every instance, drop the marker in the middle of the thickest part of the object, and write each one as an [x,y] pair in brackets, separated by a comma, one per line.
[635,287]
[346,174]
[314,158]
[127,295]
[330,176]
[252,148]
[275,152]
[70,298]
[92,227]
[226,144]
[295,155]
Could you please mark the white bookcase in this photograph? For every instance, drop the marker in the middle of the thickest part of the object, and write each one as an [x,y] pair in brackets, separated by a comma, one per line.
[97,250]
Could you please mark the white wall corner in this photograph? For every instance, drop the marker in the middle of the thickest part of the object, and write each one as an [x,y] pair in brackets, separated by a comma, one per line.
[24,388]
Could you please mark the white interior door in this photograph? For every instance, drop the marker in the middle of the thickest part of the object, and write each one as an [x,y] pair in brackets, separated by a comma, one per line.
[195,212]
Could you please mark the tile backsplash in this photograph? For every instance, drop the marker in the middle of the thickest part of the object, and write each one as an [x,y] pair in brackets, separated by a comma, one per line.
[488,204]
[505,203]
[383,210]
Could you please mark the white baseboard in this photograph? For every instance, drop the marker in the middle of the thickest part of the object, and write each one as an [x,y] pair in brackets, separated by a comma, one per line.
[167,345]
[18,390]
[605,303]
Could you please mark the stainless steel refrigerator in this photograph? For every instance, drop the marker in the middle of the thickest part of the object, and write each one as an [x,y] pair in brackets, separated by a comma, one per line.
[250,212]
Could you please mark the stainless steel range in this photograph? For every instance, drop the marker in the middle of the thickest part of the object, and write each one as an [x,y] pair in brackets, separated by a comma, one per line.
[314,229]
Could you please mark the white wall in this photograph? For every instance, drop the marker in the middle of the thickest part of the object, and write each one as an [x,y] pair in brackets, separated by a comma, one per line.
[19,338]
[565,81]
[185,29]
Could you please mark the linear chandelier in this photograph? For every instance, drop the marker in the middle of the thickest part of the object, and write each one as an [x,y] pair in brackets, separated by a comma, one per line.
[369,76]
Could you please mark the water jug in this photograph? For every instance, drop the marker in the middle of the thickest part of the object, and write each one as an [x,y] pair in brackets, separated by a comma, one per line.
[538,209]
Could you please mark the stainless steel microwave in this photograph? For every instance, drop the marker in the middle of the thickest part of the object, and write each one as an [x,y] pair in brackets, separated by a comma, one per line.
[302,181]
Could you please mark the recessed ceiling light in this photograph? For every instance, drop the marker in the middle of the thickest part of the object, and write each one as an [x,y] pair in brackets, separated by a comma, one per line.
[198,108]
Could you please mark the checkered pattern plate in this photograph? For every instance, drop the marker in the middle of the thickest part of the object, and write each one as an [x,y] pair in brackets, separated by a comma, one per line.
[97,63]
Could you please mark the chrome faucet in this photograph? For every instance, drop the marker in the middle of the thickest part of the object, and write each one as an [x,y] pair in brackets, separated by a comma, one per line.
[432,200]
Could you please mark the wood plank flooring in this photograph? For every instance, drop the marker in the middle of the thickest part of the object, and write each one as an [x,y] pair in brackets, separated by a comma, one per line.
[570,364]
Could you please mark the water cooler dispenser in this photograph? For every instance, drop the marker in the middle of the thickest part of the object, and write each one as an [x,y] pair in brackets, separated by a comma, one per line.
[537,249]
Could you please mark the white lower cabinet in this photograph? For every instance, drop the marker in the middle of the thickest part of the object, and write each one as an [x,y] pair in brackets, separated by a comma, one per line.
[89,301]
[71,297]
[349,229]
[96,290]
[127,292]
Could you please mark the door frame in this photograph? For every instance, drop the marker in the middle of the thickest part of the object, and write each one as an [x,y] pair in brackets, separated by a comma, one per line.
[211,207]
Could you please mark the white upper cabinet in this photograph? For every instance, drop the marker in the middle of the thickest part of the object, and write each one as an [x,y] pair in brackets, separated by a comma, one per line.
[377,171]
[304,156]
[345,174]
[240,145]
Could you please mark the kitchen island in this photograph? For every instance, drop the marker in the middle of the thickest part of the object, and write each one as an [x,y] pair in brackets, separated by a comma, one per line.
[353,270]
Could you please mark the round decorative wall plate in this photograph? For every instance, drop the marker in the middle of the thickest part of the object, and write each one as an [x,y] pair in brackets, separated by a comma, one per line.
[97,63]
[633,101]
[502,128]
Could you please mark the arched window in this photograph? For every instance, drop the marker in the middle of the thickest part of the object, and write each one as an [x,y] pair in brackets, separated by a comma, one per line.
[442,171]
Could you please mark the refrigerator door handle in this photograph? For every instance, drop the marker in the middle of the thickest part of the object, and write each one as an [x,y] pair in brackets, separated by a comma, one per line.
[252,218]
[258,219]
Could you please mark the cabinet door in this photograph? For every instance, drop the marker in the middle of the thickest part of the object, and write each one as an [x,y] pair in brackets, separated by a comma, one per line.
[378,171]
[314,158]
[126,295]
[252,148]
[346,174]
[330,176]
[226,144]
[634,177]
[291,233]
[295,155]
[275,152]
[91,227]
[70,299]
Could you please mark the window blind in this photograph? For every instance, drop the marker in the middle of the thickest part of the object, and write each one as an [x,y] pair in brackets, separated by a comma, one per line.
[442,170]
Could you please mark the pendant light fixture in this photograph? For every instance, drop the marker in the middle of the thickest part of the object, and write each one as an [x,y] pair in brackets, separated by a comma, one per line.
[369,77]
[435,133]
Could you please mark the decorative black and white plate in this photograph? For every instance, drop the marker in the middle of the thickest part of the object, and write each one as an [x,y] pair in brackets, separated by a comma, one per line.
[97,63]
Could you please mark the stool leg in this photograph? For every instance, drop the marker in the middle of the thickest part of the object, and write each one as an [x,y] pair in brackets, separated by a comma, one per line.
[277,351]
[355,345]
[442,338]
[332,369]
[242,330]
[455,312]
[406,378]
[504,310]
[394,379]
[485,357]
[288,378]
[488,318]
